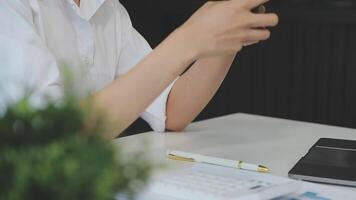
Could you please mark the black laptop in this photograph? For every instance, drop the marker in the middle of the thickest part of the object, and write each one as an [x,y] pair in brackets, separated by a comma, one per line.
[331,161]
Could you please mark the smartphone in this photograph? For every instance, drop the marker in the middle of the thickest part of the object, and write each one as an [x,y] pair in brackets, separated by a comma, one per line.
[259,9]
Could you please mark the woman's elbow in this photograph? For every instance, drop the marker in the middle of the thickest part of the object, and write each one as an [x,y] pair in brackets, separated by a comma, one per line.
[176,125]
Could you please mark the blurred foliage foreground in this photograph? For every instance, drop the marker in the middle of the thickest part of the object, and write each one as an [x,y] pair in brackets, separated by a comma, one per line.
[47,154]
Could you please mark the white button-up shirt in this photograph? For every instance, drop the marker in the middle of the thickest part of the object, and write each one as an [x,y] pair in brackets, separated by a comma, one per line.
[96,41]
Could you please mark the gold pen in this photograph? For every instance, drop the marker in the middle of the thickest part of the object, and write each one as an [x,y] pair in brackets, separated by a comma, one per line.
[190,157]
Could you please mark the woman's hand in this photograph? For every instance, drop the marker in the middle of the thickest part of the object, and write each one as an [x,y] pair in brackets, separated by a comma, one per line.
[224,27]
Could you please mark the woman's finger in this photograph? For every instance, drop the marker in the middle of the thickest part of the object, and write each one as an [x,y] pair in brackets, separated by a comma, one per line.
[250,4]
[263,20]
[256,35]
[249,43]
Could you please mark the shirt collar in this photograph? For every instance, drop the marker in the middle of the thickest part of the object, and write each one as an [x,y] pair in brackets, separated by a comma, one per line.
[88,8]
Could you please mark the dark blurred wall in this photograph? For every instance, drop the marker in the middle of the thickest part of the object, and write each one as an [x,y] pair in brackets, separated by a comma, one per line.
[306,71]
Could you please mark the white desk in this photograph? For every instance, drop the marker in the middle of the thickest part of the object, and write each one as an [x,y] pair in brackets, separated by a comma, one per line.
[276,143]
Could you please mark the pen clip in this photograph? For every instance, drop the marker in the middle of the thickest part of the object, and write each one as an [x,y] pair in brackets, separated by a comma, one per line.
[179,158]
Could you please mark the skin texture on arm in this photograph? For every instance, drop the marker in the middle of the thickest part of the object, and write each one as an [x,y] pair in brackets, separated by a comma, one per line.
[193,91]
[218,37]
[123,101]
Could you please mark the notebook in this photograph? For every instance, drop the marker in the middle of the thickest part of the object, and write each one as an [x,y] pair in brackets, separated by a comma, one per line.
[330,161]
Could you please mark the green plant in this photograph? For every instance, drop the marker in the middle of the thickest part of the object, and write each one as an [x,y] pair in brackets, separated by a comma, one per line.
[48,154]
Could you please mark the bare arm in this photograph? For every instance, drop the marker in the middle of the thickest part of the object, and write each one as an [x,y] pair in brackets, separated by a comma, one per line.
[218,33]
[193,91]
[126,98]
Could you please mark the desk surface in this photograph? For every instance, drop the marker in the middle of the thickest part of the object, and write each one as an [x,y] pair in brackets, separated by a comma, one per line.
[276,143]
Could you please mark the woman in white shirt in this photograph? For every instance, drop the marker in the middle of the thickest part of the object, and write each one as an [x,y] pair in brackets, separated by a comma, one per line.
[112,61]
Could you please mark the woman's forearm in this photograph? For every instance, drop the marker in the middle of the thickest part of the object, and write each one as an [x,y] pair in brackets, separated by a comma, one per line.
[212,31]
[126,98]
[193,91]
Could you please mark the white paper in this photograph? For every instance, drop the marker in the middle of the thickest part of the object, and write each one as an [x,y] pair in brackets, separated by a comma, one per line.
[312,191]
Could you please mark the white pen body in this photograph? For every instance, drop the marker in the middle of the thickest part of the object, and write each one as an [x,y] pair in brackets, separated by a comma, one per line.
[216,161]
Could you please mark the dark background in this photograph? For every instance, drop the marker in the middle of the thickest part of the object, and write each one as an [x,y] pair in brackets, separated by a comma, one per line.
[306,71]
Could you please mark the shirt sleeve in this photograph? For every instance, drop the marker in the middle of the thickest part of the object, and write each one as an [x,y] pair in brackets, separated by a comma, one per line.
[27,68]
[134,49]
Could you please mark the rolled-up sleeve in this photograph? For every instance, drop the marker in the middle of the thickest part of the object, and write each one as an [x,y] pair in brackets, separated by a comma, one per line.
[134,49]
[27,68]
